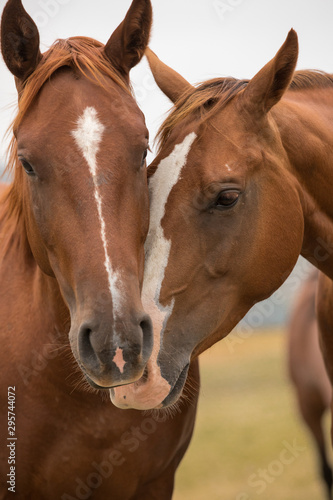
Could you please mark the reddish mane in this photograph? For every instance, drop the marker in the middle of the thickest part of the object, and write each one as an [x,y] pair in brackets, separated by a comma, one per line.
[199,100]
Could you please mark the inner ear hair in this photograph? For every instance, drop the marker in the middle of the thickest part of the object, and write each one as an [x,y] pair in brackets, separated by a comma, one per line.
[19,40]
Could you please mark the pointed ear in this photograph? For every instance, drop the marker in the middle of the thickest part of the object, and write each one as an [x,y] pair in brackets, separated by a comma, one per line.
[19,40]
[268,86]
[128,43]
[172,84]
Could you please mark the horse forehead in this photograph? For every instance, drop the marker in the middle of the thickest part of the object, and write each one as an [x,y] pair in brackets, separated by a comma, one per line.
[218,152]
[78,91]
[62,101]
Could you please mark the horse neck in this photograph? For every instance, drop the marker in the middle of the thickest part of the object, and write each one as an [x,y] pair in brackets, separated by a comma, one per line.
[305,121]
[17,261]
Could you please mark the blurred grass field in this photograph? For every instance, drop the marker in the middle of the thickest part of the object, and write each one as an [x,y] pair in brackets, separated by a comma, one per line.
[247,412]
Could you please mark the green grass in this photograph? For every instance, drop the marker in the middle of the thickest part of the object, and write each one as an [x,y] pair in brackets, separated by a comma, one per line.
[247,411]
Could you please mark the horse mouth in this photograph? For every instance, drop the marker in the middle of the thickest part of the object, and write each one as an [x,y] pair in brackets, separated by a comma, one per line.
[177,389]
[149,392]
[107,384]
[106,387]
[94,385]
[173,396]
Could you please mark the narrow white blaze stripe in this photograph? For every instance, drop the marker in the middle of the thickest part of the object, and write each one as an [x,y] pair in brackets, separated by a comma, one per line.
[88,136]
[157,247]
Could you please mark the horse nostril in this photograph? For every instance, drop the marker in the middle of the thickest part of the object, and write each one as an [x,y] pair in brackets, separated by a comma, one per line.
[113,357]
[147,336]
[86,349]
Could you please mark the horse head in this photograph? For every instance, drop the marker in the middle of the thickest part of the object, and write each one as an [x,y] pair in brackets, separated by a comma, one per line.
[226,224]
[80,186]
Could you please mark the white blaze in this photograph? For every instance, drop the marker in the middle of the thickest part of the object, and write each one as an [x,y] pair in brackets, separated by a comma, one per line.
[157,247]
[150,393]
[88,136]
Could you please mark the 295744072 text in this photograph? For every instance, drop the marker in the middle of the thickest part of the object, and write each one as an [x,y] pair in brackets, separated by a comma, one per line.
[11,440]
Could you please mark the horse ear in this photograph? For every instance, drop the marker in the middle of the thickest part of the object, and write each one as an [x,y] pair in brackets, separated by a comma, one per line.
[172,84]
[268,86]
[128,42]
[19,40]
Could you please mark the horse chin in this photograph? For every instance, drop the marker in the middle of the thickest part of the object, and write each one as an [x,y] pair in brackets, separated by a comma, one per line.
[150,392]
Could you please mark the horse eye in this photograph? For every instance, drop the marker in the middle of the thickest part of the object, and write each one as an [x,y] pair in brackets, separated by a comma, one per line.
[144,156]
[226,199]
[27,167]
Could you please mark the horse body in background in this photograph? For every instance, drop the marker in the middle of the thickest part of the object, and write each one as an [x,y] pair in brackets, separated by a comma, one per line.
[307,371]
[73,224]
[239,189]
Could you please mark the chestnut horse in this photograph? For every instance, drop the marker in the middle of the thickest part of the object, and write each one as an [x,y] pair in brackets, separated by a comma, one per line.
[73,224]
[307,371]
[239,189]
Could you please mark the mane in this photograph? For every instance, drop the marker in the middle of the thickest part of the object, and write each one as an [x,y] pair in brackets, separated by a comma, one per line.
[309,79]
[198,101]
[85,57]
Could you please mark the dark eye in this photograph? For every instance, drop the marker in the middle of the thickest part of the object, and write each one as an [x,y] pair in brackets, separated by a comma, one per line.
[27,167]
[226,199]
[144,157]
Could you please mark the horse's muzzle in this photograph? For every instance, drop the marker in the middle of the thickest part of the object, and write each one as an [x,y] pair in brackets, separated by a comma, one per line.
[112,357]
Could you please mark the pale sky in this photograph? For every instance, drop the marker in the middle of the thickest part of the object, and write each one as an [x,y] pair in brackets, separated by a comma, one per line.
[199,38]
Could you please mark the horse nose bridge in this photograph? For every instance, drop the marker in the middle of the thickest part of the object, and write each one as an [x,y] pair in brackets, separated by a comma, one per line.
[109,297]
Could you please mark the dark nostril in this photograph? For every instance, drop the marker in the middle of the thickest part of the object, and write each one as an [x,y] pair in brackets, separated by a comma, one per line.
[146,327]
[86,349]
[147,336]
[98,348]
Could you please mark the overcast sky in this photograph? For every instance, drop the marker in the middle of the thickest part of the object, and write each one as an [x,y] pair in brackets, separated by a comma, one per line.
[199,38]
